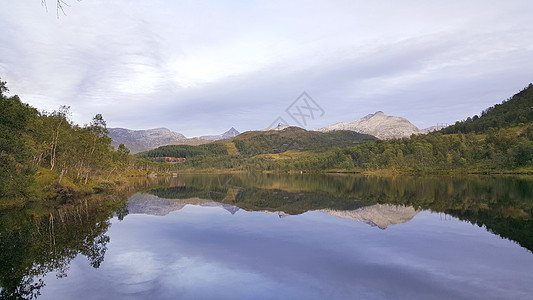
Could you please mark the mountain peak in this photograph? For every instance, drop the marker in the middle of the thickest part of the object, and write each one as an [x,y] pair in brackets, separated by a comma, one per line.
[378,113]
[379,125]
[232,132]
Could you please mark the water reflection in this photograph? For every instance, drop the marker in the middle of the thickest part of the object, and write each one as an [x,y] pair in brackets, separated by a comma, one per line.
[204,233]
[502,204]
[380,215]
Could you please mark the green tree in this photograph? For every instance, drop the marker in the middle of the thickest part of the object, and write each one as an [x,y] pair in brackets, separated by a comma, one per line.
[15,156]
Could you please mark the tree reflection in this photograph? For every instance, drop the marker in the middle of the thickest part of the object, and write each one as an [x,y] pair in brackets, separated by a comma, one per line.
[32,246]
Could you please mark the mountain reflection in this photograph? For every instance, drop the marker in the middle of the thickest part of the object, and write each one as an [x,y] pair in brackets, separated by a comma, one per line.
[380,215]
[152,205]
[501,204]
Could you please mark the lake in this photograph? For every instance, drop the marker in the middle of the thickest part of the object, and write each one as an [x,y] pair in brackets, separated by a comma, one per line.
[267,236]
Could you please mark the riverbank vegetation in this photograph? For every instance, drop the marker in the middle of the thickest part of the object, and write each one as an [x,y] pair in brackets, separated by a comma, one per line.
[46,155]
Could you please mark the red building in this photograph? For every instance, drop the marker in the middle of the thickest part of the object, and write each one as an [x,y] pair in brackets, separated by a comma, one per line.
[170,159]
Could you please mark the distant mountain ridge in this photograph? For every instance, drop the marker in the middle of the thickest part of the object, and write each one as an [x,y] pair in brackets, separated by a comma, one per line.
[144,140]
[379,125]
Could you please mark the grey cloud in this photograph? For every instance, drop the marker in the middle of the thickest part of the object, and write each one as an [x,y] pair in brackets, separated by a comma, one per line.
[437,63]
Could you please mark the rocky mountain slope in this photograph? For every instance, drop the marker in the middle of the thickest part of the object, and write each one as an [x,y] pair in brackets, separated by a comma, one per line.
[431,129]
[379,125]
[143,140]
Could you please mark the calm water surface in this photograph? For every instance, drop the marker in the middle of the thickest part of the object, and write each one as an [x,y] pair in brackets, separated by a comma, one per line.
[282,237]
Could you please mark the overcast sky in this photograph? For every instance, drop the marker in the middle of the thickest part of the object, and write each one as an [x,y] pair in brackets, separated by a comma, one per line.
[201,67]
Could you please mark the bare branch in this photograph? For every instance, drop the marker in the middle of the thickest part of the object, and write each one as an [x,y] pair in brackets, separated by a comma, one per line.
[43,3]
[60,6]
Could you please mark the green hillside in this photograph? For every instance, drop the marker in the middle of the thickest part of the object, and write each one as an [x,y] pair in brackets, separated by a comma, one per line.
[252,143]
[295,138]
[512,112]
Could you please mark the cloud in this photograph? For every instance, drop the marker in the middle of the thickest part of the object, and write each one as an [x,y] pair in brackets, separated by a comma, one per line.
[201,67]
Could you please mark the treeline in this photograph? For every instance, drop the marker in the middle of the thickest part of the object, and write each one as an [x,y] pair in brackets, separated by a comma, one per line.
[499,150]
[504,149]
[39,149]
[185,151]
